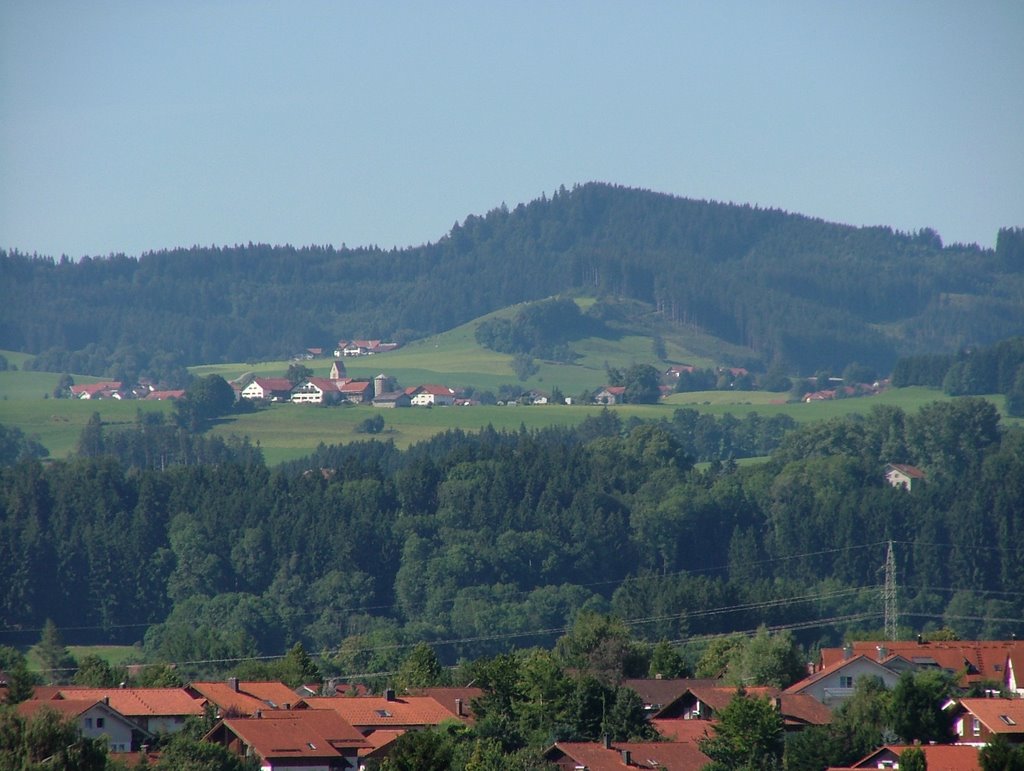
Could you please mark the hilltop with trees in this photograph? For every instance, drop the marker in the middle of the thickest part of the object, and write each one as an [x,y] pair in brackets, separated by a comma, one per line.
[799,292]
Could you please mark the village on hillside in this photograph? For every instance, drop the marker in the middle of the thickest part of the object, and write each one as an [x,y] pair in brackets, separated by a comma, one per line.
[385,392]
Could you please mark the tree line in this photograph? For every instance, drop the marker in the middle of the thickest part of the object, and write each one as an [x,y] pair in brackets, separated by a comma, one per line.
[995,369]
[483,541]
[798,291]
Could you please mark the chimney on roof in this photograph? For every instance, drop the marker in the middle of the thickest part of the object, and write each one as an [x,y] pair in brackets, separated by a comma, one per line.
[778,703]
[258,713]
[658,676]
[920,640]
[106,700]
[233,684]
[389,694]
[883,652]
[458,708]
[627,757]
[847,652]
[123,684]
[145,749]
[287,705]
[606,742]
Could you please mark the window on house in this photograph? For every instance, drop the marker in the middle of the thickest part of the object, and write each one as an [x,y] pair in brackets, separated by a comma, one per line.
[975,727]
[99,722]
[383,713]
[846,681]
[1008,720]
[88,722]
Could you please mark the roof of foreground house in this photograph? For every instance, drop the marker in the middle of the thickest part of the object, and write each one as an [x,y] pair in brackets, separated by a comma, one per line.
[1000,716]
[981,659]
[674,756]
[140,702]
[247,696]
[383,712]
[938,757]
[302,734]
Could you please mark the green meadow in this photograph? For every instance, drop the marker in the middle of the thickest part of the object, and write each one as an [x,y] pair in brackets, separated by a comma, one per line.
[289,431]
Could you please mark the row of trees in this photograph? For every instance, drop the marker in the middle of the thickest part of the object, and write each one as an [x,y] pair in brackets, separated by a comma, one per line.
[984,370]
[494,539]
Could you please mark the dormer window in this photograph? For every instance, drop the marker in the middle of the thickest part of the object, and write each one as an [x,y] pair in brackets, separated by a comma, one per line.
[383,713]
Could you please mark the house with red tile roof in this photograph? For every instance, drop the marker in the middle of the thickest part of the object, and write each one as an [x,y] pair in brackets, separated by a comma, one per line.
[937,757]
[659,693]
[974,661]
[317,390]
[238,697]
[610,395]
[371,713]
[458,701]
[356,391]
[833,684]
[94,718]
[278,389]
[311,740]
[902,475]
[107,390]
[609,756]
[151,709]
[428,395]
[978,721]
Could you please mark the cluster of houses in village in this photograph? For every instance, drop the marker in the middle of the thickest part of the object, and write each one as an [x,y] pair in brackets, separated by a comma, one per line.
[285,728]
[114,389]
[382,391]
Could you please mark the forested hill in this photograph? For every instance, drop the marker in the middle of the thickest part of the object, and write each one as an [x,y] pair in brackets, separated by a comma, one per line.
[808,292]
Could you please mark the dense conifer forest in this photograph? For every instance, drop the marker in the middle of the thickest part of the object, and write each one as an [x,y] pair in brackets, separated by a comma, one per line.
[482,542]
[801,292]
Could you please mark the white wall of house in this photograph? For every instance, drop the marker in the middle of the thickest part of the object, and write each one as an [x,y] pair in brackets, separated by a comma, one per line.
[838,685]
[98,721]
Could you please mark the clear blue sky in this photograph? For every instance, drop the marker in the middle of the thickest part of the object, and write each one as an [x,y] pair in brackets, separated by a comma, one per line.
[130,126]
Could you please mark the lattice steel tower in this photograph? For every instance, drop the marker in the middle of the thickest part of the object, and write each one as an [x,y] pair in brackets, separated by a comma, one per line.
[889,594]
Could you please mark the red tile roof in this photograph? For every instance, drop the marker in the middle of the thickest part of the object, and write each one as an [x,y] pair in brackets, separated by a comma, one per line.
[680,730]
[281,734]
[800,709]
[938,757]
[380,740]
[141,702]
[452,698]
[1000,716]
[273,383]
[673,756]
[830,668]
[660,692]
[911,471]
[379,712]
[436,390]
[65,707]
[249,697]
[985,659]
[95,388]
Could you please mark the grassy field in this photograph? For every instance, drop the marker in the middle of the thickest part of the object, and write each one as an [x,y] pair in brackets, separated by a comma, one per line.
[288,431]
[115,655]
